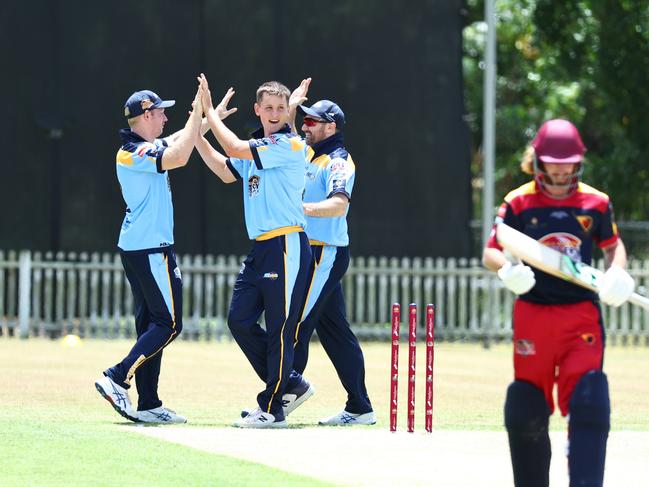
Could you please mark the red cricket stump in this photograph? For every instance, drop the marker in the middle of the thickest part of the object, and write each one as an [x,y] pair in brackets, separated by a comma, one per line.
[430,357]
[412,358]
[394,367]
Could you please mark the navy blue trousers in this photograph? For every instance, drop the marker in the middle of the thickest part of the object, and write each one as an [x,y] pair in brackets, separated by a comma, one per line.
[157,295]
[325,312]
[272,280]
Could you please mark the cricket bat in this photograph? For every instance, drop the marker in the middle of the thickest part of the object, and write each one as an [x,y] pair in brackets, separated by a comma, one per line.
[554,262]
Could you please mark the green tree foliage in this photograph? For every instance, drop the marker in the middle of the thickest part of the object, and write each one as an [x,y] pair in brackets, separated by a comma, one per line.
[585,60]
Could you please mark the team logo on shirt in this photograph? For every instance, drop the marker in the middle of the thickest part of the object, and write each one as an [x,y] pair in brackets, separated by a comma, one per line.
[271,139]
[566,243]
[559,214]
[525,347]
[339,183]
[585,221]
[589,338]
[146,149]
[338,166]
[177,273]
[253,186]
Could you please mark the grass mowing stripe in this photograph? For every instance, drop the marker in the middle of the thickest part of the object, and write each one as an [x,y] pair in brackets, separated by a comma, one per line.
[68,453]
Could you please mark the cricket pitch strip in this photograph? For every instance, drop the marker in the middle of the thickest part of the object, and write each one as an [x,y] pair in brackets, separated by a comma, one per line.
[372,457]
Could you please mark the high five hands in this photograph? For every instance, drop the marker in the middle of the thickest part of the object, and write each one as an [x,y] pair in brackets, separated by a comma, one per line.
[221,110]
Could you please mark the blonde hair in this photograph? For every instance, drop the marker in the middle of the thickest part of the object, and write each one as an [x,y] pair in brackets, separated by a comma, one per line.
[273,88]
[527,161]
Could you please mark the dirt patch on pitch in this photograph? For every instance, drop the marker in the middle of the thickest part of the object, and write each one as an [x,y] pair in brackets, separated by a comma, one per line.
[373,457]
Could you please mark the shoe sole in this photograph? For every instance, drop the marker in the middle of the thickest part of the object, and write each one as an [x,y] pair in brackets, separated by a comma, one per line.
[160,421]
[275,425]
[288,410]
[153,423]
[299,401]
[351,423]
[320,423]
[119,410]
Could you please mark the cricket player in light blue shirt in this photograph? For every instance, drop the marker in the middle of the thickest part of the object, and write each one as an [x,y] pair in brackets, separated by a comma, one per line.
[146,250]
[330,177]
[273,277]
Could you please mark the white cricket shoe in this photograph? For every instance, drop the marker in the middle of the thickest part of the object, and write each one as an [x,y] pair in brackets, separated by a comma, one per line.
[294,398]
[160,415]
[117,396]
[344,418]
[291,399]
[259,419]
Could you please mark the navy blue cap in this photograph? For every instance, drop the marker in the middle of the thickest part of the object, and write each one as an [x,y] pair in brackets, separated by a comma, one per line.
[140,101]
[325,110]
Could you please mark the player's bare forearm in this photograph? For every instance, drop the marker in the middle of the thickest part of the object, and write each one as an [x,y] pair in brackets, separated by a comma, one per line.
[214,160]
[291,119]
[296,99]
[335,206]
[205,126]
[493,259]
[232,145]
[171,139]
[178,152]
[615,254]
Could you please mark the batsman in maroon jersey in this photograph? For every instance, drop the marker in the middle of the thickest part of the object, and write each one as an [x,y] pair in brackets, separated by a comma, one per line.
[558,328]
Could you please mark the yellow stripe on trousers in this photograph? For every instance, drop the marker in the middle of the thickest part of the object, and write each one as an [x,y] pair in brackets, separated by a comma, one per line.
[281,335]
[173,323]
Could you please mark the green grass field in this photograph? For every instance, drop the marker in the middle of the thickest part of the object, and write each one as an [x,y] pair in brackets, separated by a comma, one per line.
[56,430]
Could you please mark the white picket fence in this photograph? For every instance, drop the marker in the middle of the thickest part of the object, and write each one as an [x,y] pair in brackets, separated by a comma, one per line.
[89,295]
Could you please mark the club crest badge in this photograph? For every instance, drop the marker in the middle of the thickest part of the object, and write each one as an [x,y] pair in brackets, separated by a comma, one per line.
[586,222]
[525,347]
[146,104]
[589,338]
[253,186]
[339,184]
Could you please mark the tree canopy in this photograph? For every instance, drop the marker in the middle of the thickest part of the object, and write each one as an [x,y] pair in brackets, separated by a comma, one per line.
[586,61]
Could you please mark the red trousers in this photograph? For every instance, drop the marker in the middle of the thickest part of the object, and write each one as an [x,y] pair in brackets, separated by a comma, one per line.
[557,343]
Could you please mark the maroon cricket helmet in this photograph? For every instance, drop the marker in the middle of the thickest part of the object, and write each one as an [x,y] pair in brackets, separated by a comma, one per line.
[558,141]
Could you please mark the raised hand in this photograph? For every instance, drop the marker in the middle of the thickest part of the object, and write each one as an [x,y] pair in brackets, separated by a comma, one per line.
[197,104]
[222,109]
[206,97]
[299,94]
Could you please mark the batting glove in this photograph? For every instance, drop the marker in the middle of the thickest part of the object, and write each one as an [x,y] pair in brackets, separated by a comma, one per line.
[616,286]
[518,278]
